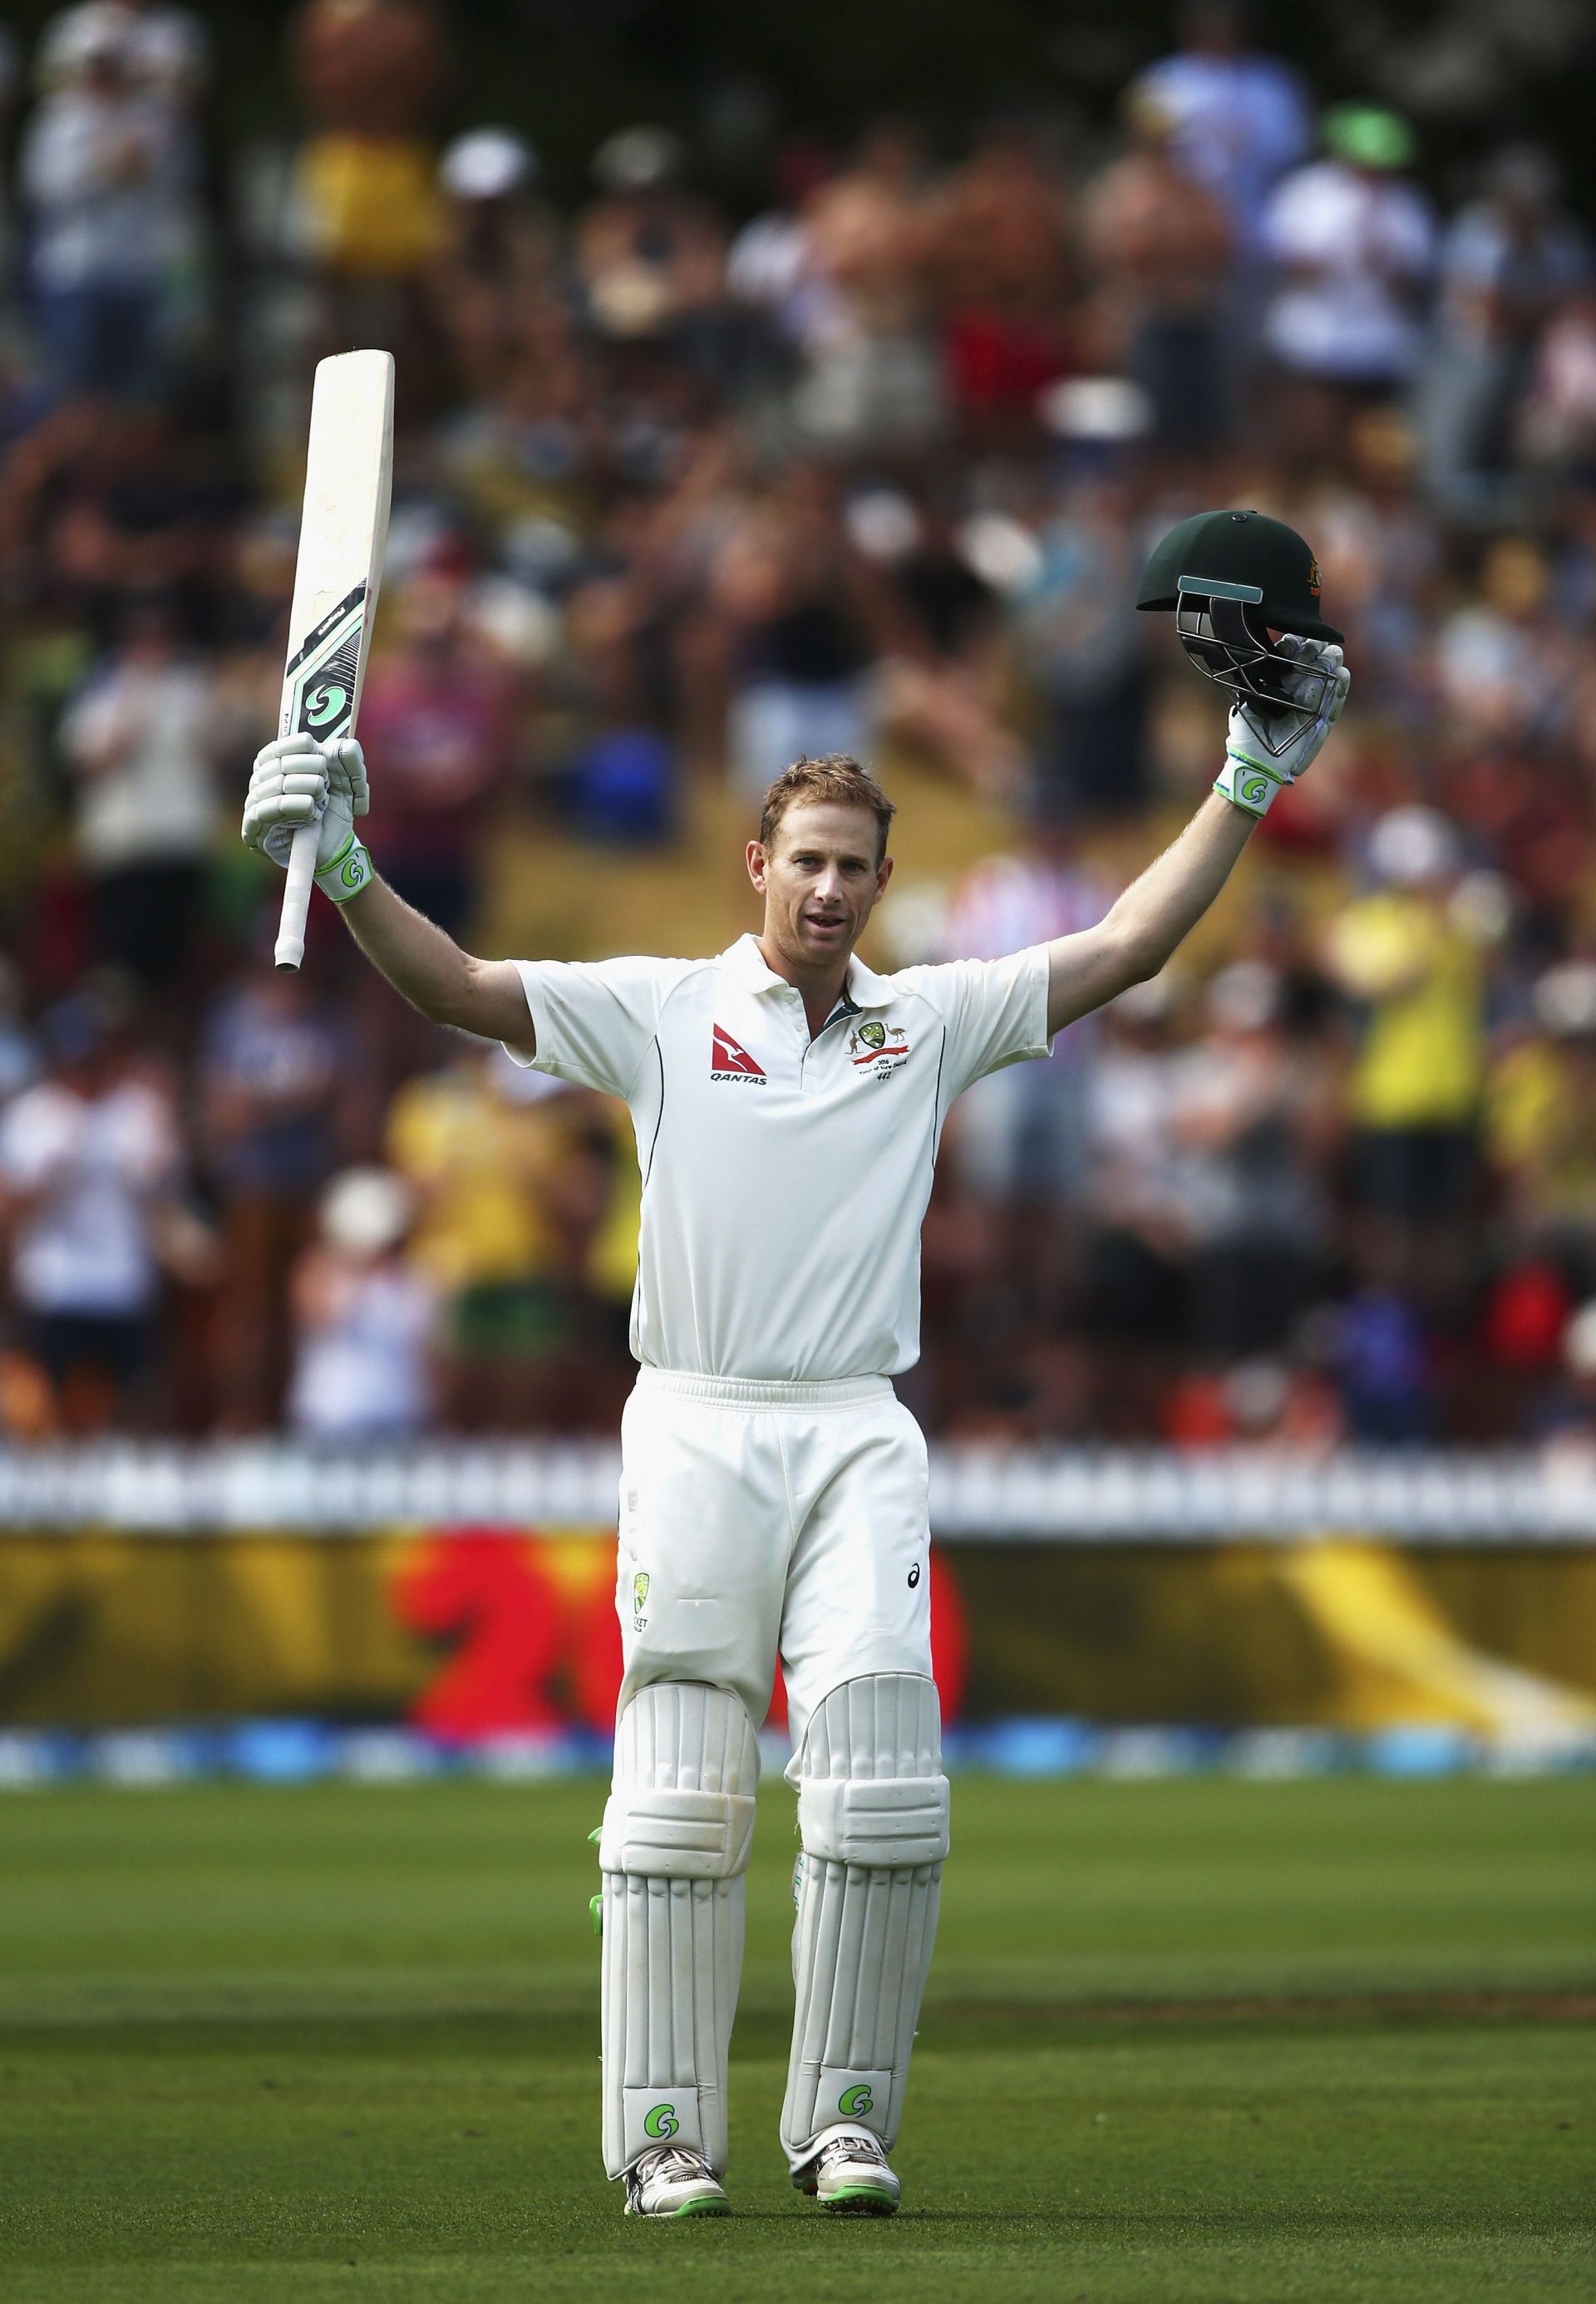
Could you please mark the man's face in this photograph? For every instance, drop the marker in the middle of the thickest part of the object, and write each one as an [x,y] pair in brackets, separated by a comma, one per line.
[820,880]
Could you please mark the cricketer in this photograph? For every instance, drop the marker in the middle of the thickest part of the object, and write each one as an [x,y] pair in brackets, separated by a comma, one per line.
[788,1103]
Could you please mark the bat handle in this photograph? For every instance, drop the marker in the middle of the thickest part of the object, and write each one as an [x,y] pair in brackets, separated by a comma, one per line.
[296,896]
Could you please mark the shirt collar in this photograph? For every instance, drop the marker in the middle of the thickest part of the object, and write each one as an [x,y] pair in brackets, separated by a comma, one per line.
[745,962]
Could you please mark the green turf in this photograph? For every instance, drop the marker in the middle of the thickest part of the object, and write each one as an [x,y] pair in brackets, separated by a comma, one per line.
[1186,2040]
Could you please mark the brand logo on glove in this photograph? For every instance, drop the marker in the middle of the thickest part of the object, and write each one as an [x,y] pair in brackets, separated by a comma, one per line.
[662,2120]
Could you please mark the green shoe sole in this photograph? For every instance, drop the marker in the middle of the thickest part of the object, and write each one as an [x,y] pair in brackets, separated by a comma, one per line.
[703,2209]
[861,2200]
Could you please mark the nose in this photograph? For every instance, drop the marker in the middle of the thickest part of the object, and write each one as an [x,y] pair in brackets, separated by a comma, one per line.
[829,886]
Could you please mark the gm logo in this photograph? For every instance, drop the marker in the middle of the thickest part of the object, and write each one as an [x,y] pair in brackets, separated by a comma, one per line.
[856,2102]
[662,2120]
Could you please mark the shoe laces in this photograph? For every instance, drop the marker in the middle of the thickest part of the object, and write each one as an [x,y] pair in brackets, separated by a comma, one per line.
[853,2147]
[670,2160]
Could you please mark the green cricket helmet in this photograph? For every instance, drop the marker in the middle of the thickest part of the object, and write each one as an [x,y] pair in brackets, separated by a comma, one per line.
[1234,580]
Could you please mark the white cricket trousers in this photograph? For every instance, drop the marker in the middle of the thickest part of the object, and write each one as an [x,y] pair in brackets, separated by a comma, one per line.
[764,1519]
[759,1520]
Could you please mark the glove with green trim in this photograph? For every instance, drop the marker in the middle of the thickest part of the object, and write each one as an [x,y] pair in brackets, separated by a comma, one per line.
[296,782]
[1253,774]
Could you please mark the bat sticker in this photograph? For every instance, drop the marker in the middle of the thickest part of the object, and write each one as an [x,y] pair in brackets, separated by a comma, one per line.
[319,691]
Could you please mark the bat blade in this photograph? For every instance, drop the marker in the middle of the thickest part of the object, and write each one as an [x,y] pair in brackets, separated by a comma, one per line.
[348,482]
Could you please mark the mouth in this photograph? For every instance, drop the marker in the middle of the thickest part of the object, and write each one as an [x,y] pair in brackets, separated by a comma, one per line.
[828,925]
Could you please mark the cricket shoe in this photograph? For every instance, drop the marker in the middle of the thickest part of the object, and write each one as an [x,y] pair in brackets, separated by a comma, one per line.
[849,2176]
[674,2182]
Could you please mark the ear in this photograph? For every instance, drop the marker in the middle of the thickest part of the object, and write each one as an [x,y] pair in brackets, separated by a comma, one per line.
[883,874]
[755,859]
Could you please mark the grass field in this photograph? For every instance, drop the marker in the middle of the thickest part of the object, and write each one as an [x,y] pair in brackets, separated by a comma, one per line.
[1186,2040]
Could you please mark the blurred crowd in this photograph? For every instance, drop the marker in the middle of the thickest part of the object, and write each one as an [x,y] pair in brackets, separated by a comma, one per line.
[681,492]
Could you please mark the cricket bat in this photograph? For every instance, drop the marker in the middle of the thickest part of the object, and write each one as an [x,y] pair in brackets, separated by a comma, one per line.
[348,480]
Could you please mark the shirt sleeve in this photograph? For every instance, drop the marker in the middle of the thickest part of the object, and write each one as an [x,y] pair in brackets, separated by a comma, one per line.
[594,1021]
[995,1012]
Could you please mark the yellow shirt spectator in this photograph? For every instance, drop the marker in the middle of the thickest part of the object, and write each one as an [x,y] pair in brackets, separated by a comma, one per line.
[479,1165]
[1421,1062]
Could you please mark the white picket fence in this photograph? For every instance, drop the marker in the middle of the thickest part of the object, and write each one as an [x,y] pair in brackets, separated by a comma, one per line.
[1031,1495]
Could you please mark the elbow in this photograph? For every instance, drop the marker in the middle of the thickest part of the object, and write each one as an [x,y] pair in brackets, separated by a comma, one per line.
[1137,960]
[460,1004]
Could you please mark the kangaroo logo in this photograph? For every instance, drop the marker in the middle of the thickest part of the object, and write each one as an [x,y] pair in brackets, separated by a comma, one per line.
[662,2120]
[325,705]
[854,2102]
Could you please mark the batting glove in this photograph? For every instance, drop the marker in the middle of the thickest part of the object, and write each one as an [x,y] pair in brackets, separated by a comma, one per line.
[1252,776]
[296,782]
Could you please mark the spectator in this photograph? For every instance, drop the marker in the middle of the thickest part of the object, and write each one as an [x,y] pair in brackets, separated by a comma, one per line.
[143,740]
[1021,1139]
[1541,1119]
[1507,671]
[1084,651]
[479,1165]
[90,1163]
[940,688]
[274,1075]
[1137,1204]
[363,1318]
[1507,262]
[1415,974]
[167,48]
[875,383]
[1240,119]
[797,608]
[1257,1117]
[1559,428]
[1354,245]
[774,263]
[648,255]
[1002,267]
[1163,246]
[497,256]
[440,713]
[19,1050]
[370,76]
[107,184]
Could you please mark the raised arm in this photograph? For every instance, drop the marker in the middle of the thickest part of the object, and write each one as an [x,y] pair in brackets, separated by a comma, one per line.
[1160,911]
[297,781]
[433,973]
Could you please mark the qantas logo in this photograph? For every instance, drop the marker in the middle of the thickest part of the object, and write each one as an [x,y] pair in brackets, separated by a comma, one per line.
[729,1060]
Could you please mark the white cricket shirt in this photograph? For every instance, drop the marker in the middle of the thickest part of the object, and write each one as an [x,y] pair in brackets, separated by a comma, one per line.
[784,1179]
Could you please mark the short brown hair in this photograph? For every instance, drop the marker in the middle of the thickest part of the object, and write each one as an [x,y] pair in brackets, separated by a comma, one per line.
[835,777]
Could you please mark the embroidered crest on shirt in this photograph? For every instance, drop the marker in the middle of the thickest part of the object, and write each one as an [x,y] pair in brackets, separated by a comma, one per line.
[879,1049]
[729,1060]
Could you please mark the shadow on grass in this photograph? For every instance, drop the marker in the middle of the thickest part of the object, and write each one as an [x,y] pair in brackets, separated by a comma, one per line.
[510,2030]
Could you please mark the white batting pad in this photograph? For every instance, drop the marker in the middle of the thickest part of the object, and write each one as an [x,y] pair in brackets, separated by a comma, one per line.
[677,1830]
[872,1813]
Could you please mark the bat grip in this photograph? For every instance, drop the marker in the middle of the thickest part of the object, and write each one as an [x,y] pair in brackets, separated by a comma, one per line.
[296,896]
